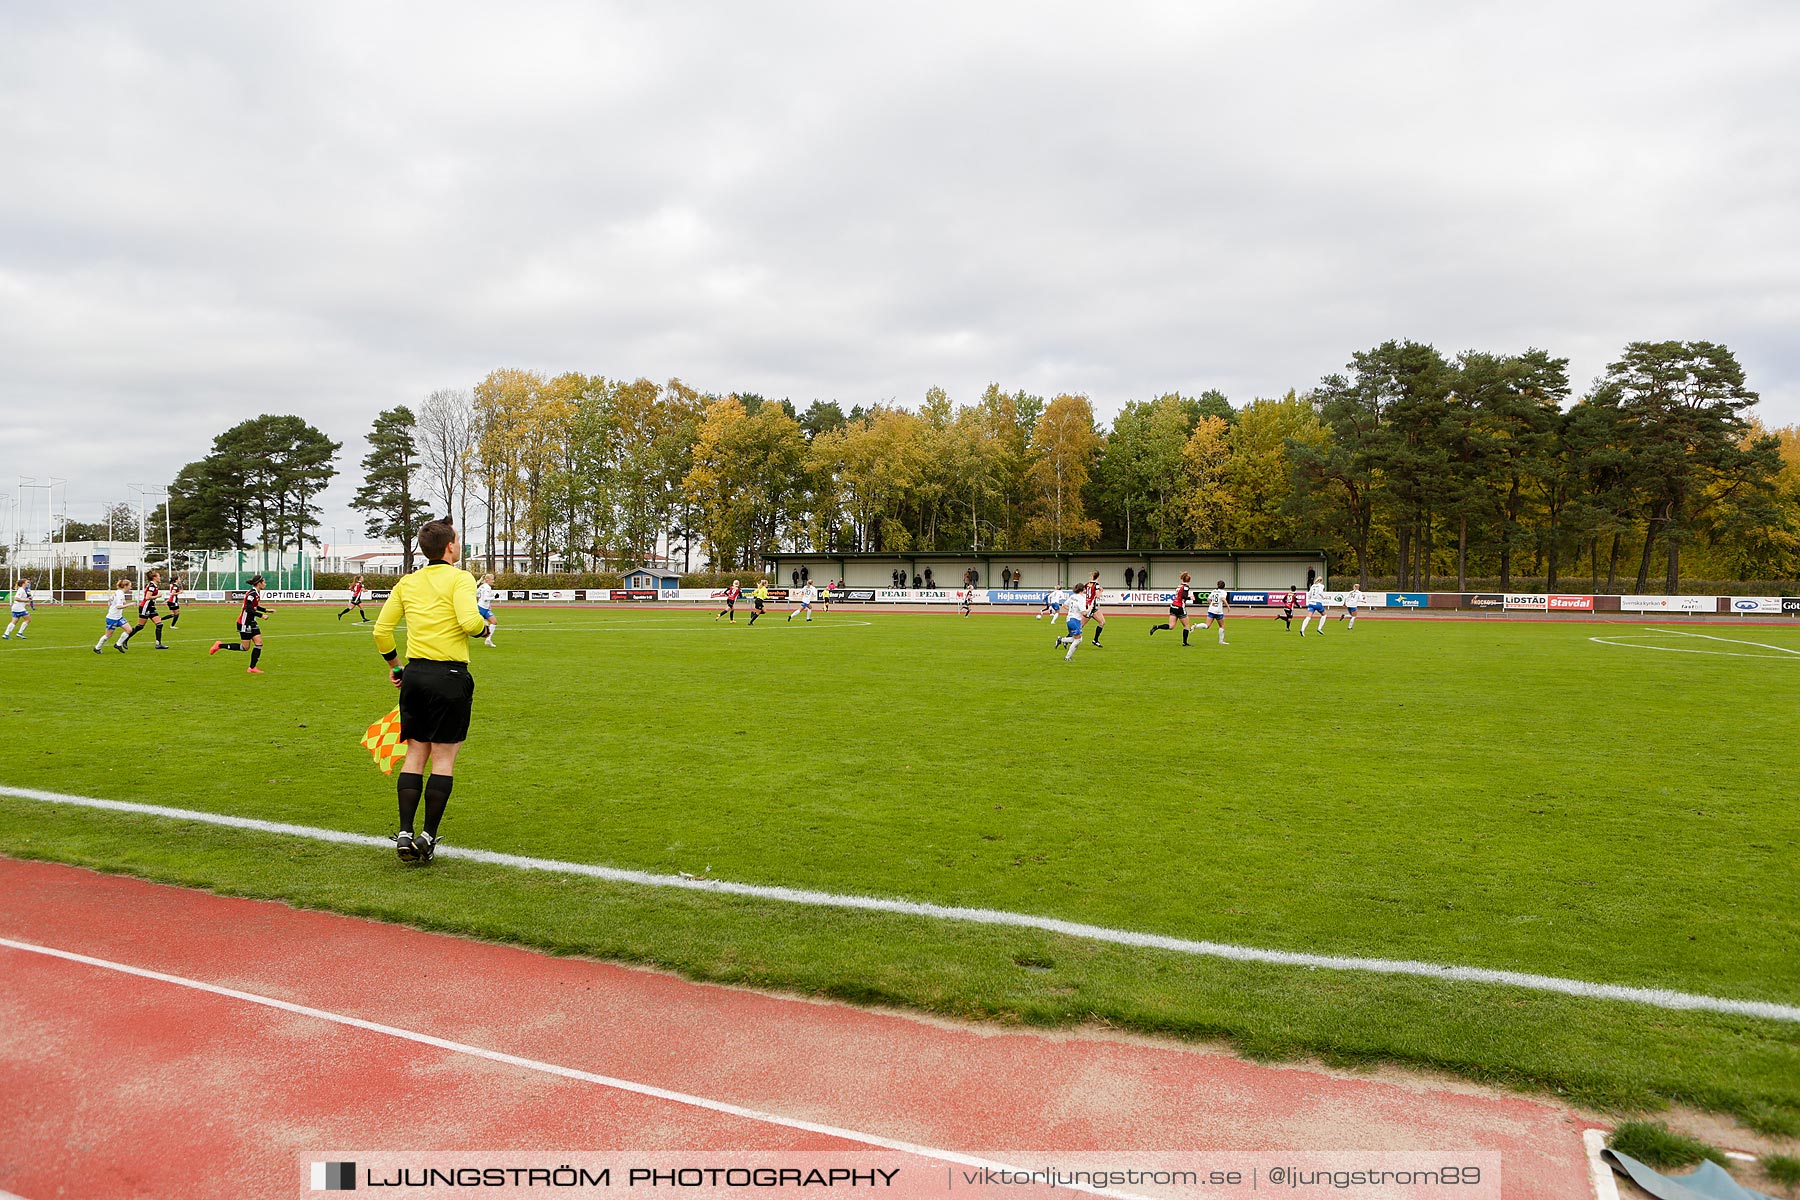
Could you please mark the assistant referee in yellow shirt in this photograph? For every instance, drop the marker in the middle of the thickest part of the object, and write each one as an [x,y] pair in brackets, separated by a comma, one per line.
[437,602]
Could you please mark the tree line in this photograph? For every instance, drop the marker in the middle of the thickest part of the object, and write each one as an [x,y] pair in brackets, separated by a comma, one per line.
[1409,464]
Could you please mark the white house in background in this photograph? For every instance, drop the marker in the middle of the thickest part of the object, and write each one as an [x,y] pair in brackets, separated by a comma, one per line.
[84,556]
[361,558]
[650,578]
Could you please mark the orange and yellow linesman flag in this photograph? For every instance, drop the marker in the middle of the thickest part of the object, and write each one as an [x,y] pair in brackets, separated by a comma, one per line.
[383,742]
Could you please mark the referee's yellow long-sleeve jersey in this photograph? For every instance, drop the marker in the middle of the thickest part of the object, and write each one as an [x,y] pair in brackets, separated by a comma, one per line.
[437,602]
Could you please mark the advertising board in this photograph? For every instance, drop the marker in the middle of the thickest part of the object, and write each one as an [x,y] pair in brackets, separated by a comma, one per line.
[1570,603]
[634,595]
[916,595]
[1756,604]
[1686,604]
[1018,595]
[1484,600]
[1514,601]
[1408,600]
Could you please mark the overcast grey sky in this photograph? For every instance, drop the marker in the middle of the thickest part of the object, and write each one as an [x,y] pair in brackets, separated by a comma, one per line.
[209,211]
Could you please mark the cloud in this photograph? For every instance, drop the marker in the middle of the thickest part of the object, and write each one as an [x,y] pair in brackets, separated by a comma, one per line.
[218,210]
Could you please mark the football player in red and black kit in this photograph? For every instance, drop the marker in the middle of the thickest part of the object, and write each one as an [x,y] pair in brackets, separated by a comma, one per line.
[1184,591]
[147,611]
[731,598]
[1092,592]
[174,602]
[356,599]
[249,632]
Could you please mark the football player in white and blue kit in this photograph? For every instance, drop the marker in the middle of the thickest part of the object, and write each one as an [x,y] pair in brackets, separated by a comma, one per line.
[1315,606]
[1216,604]
[23,602]
[1053,604]
[484,604]
[1076,608]
[804,603]
[115,616]
[1352,602]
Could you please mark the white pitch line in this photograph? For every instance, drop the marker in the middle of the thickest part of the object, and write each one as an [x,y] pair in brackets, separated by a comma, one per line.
[1734,641]
[532,1064]
[1655,997]
[667,626]
[1624,642]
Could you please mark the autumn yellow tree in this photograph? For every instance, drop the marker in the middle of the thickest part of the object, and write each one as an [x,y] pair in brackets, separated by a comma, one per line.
[1064,447]
[1257,474]
[503,407]
[1207,509]
[744,479]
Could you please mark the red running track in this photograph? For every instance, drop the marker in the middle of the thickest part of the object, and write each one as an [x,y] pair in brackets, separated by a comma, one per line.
[106,1078]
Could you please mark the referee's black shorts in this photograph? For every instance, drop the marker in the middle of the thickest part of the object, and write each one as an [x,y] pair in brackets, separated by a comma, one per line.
[435,699]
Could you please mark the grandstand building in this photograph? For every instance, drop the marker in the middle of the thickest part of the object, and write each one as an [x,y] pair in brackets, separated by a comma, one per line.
[1039,569]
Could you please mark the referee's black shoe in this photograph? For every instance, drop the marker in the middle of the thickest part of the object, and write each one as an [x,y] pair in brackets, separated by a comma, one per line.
[426,845]
[405,847]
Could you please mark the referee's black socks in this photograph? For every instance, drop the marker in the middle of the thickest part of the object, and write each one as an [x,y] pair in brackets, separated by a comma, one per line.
[437,798]
[410,784]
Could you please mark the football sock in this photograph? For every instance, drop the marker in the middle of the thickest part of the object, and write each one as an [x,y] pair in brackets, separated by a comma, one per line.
[159,635]
[255,654]
[130,633]
[1184,634]
[408,785]
[341,615]
[437,798]
[232,646]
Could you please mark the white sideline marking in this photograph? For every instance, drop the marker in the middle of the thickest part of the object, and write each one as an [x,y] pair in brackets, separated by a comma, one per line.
[1713,637]
[1656,997]
[668,626]
[1599,1170]
[1635,641]
[532,1064]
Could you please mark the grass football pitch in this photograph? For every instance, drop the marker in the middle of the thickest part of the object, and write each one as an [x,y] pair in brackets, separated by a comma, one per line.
[1494,794]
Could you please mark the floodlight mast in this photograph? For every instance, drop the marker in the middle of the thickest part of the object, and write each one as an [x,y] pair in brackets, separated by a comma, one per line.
[145,493]
[48,486]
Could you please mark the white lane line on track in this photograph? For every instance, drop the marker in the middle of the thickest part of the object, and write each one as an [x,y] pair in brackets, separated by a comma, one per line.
[1655,997]
[532,1064]
[1599,1172]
